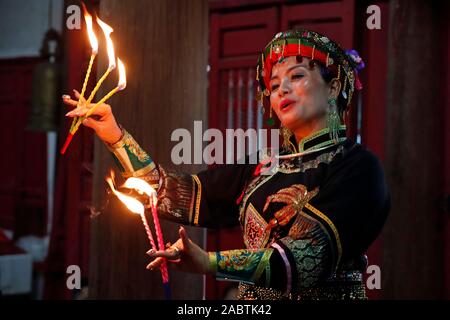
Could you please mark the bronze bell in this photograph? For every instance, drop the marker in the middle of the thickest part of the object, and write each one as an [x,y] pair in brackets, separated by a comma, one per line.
[46,86]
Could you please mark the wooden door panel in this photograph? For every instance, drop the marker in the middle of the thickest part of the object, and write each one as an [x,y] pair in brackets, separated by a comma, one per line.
[236,40]
[24,178]
[335,19]
[245,33]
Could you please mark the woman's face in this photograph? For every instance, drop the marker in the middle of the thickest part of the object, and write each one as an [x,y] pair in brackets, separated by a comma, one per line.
[299,95]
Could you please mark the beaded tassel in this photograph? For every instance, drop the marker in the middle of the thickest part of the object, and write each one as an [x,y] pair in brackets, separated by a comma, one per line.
[333,120]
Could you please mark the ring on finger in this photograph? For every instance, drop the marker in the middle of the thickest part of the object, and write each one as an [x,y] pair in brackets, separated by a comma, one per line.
[176,250]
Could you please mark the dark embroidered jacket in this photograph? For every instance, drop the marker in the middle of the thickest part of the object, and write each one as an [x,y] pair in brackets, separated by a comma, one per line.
[306,226]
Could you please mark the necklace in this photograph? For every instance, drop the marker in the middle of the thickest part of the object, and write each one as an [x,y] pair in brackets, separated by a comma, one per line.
[300,154]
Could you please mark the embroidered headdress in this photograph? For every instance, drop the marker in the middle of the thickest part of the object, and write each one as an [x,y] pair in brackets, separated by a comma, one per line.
[306,43]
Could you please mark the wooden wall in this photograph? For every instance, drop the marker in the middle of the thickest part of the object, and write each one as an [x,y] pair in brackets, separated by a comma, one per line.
[164,46]
[414,255]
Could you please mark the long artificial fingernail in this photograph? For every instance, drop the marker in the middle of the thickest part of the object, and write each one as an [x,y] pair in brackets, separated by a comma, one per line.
[151,251]
[65,96]
[70,113]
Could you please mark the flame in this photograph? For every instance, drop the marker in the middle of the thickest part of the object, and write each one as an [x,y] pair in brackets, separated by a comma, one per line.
[122,76]
[132,204]
[107,30]
[92,38]
[142,187]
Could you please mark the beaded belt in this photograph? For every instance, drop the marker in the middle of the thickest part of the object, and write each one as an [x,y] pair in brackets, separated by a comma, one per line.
[348,287]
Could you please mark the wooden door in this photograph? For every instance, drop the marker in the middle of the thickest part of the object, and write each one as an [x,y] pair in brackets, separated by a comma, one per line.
[235,41]
[335,19]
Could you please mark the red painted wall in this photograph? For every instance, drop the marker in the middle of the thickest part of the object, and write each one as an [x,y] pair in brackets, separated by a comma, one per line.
[23,186]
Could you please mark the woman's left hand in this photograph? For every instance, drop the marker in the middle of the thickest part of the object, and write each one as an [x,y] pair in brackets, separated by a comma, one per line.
[183,255]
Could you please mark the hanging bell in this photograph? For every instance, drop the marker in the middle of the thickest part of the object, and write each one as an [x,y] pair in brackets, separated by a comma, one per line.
[46,86]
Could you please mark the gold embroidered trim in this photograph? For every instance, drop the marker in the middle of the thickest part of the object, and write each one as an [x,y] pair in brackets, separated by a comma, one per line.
[332,226]
[140,172]
[315,135]
[252,213]
[288,167]
[295,197]
[191,205]
[247,195]
[198,198]
[120,143]
[133,146]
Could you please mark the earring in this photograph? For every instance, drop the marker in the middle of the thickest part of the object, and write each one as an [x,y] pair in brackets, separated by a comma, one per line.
[333,120]
[286,134]
[271,121]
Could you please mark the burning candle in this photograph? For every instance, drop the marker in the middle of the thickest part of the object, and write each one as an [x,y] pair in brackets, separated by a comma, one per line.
[164,272]
[120,86]
[159,235]
[94,50]
[144,188]
[107,30]
[94,45]
[134,206]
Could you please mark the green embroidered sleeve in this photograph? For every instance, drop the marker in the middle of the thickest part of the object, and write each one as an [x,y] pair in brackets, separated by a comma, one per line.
[243,265]
[133,161]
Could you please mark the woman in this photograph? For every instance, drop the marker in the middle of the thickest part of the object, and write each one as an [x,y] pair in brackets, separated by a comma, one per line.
[306,225]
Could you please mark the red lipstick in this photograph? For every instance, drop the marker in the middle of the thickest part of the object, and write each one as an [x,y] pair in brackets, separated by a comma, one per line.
[285,103]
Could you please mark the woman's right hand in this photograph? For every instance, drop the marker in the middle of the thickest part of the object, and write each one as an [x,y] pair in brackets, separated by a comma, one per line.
[101,120]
